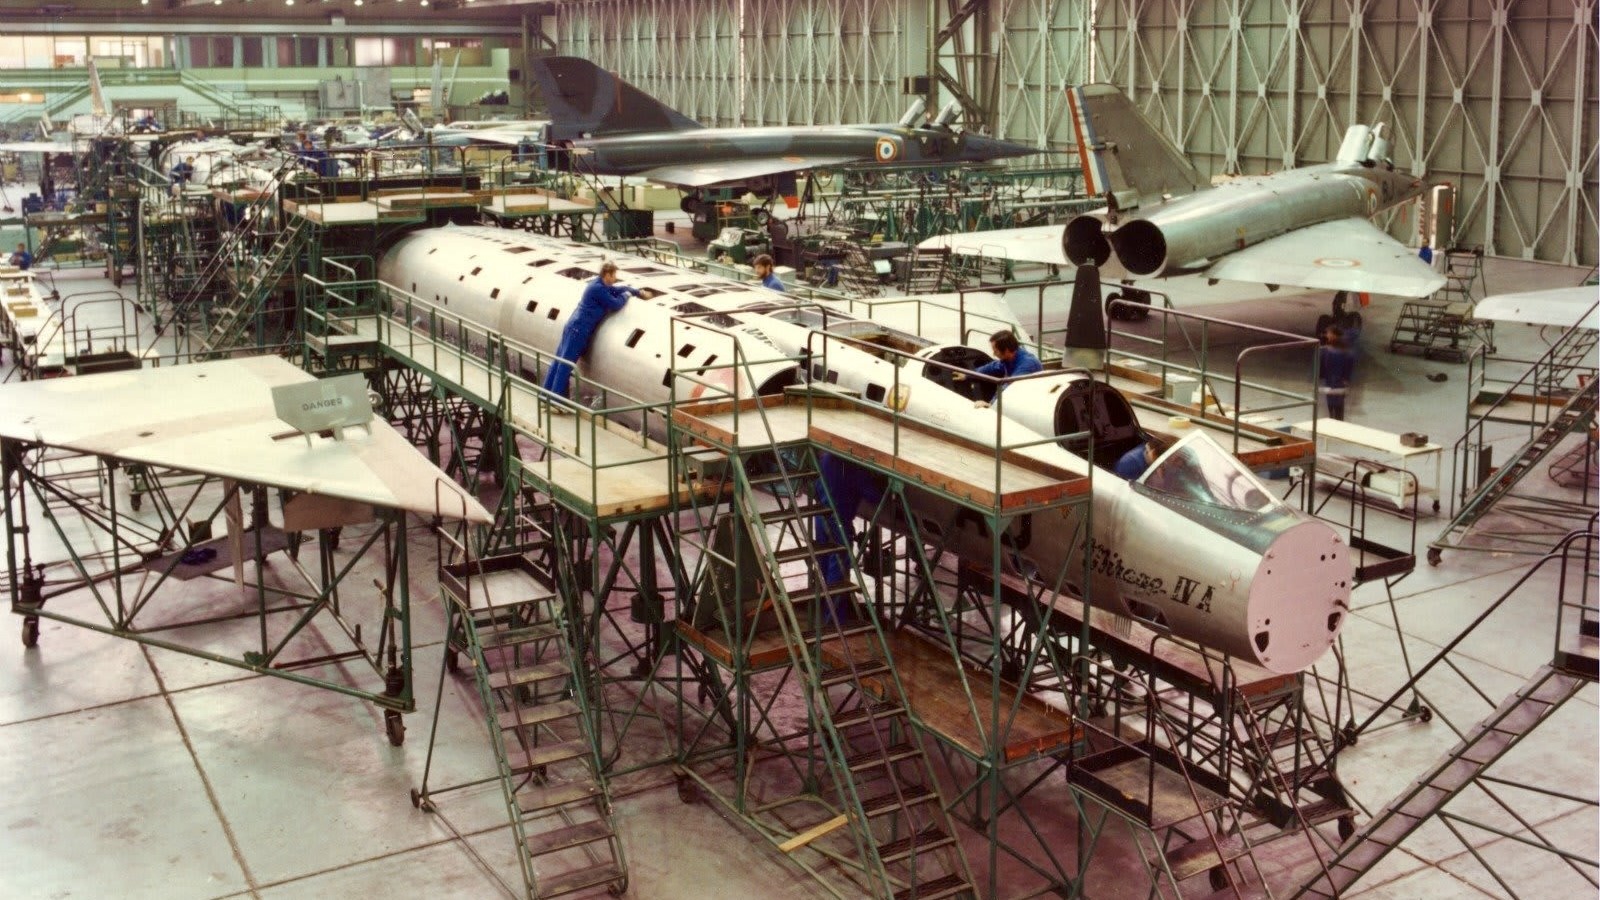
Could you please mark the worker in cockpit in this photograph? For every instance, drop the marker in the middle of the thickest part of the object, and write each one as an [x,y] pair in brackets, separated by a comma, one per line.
[601,298]
[1010,360]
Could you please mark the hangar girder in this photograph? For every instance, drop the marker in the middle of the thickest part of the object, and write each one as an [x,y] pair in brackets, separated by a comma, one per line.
[1493,96]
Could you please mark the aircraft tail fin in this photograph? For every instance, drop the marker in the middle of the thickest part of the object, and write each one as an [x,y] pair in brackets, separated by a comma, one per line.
[1121,152]
[585,99]
[97,93]
[436,98]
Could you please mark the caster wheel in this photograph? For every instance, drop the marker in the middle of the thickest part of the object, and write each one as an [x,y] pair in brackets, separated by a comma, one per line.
[1218,878]
[617,888]
[1349,736]
[1435,506]
[30,631]
[688,791]
[416,799]
[394,726]
[1434,555]
[135,501]
[1426,715]
[452,661]
[1347,827]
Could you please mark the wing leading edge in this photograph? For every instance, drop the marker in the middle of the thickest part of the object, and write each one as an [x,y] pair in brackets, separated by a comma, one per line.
[1341,255]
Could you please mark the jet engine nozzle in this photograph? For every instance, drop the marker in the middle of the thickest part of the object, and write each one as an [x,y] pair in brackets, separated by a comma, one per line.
[918,106]
[1085,242]
[1141,247]
[947,115]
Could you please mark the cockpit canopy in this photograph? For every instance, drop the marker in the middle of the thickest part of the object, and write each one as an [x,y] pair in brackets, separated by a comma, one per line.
[1199,471]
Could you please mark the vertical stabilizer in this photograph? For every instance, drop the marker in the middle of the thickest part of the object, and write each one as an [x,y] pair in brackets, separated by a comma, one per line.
[97,94]
[436,99]
[586,100]
[1122,153]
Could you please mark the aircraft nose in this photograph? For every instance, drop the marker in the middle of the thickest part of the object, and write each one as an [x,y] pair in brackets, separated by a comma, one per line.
[981,147]
[1300,597]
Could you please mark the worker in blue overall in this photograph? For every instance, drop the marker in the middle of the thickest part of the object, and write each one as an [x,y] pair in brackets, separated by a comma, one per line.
[845,487]
[764,271]
[1010,359]
[1132,464]
[601,298]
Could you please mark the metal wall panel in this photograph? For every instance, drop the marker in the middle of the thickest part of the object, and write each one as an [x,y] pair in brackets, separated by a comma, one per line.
[1494,96]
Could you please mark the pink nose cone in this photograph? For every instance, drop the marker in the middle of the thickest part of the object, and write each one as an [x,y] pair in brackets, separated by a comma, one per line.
[1300,597]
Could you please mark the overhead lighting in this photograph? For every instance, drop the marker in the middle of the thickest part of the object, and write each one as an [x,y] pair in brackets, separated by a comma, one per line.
[285,2]
[25,97]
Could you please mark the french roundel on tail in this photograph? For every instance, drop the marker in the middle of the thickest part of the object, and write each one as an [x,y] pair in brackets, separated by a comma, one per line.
[887,150]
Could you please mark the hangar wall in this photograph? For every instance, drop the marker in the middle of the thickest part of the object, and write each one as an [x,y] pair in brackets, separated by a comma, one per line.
[1495,96]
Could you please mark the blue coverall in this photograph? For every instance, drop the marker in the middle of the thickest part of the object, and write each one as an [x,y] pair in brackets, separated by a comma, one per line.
[599,300]
[771,282]
[1022,363]
[1132,464]
[845,488]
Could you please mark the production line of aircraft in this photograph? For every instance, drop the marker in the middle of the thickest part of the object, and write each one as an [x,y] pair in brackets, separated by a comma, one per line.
[1196,544]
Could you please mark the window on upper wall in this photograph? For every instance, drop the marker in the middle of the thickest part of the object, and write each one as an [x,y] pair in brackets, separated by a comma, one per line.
[252,52]
[222,52]
[297,51]
[199,52]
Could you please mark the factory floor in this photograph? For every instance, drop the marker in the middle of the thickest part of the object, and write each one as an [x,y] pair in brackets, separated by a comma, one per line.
[138,772]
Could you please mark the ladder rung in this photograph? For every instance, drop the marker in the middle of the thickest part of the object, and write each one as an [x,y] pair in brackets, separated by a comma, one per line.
[579,880]
[528,675]
[925,841]
[550,796]
[953,885]
[880,756]
[844,675]
[908,796]
[537,715]
[872,712]
[518,636]
[801,511]
[806,550]
[546,754]
[568,837]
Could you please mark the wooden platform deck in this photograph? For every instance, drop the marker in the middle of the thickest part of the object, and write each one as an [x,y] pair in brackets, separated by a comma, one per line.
[350,212]
[765,650]
[599,468]
[934,682]
[1518,409]
[919,453]
[513,205]
[1261,446]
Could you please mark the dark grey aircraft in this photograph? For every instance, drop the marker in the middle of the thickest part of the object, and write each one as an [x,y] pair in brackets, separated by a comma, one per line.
[611,127]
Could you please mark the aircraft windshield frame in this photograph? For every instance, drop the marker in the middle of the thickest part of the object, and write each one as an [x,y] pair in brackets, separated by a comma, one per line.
[1200,471]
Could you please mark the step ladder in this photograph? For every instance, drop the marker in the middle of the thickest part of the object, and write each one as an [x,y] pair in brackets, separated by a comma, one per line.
[925,273]
[533,701]
[231,322]
[886,788]
[1571,354]
[235,244]
[1483,745]
[1575,415]
[1442,326]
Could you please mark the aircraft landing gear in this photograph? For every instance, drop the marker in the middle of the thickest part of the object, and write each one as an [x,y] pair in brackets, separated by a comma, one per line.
[1348,321]
[1124,312]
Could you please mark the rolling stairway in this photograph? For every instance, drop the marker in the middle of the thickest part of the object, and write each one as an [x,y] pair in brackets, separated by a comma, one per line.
[886,789]
[230,322]
[522,661]
[1575,415]
[1442,326]
[1483,745]
[234,249]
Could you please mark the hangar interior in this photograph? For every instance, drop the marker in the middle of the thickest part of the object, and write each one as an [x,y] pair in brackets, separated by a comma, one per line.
[326,583]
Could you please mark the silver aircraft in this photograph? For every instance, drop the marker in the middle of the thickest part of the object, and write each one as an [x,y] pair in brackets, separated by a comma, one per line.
[1307,227]
[1196,544]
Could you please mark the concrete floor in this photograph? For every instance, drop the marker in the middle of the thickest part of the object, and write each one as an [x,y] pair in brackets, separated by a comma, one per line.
[138,772]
